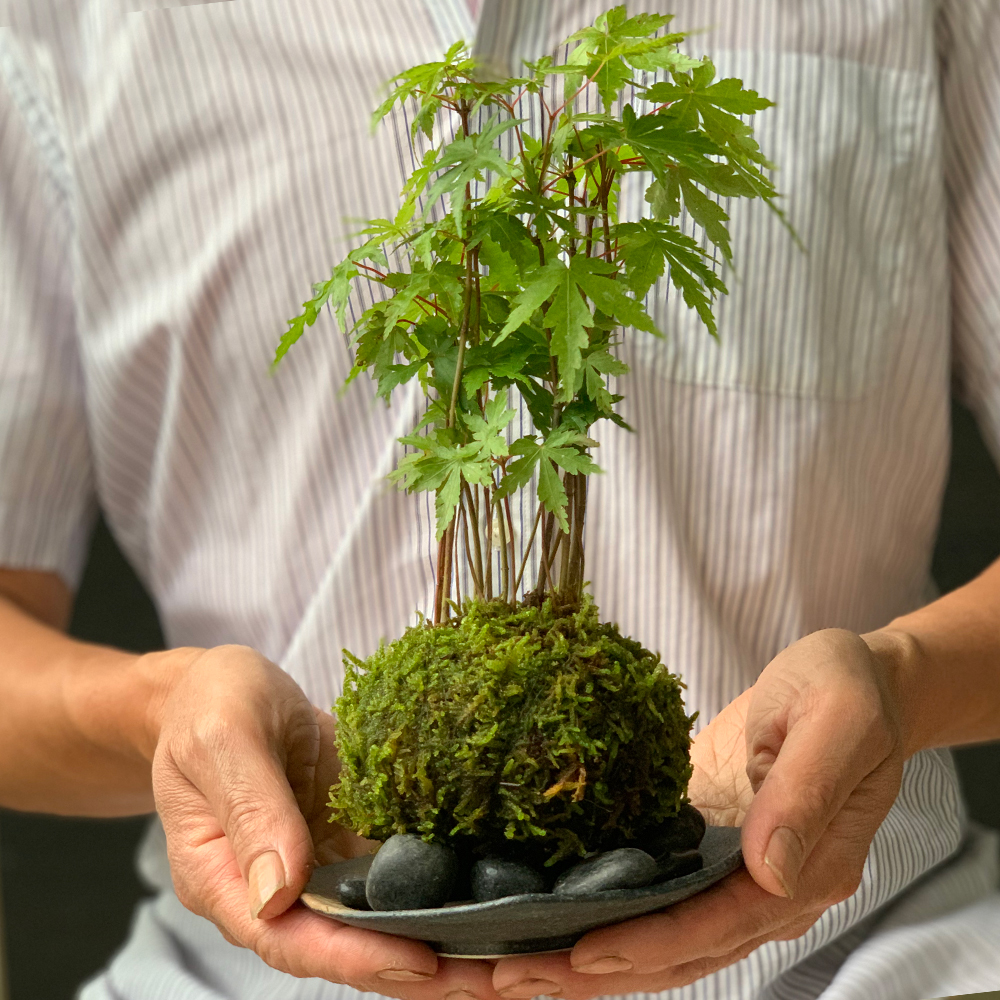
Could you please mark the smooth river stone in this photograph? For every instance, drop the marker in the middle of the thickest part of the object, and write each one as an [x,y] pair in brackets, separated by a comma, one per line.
[410,874]
[494,878]
[350,884]
[677,864]
[352,891]
[683,833]
[626,868]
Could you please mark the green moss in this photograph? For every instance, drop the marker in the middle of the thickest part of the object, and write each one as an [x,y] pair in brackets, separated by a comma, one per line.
[512,724]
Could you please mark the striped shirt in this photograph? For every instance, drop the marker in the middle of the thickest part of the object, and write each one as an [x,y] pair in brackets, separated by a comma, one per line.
[173,177]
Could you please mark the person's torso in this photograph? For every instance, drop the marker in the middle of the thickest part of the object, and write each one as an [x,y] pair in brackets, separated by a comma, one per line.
[782,479]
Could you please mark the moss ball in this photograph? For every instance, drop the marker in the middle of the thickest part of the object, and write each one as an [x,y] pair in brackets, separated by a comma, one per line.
[525,726]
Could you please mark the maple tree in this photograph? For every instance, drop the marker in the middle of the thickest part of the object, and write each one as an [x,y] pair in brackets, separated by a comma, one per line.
[509,274]
[525,282]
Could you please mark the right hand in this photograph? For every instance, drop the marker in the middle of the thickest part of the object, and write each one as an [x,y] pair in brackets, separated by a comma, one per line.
[241,772]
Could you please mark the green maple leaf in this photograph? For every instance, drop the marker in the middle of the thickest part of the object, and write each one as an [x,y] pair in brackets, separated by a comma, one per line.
[596,366]
[565,290]
[424,83]
[551,492]
[504,274]
[598,280]
[466,160]
[715,103]
[523,354]
[568,317]
[488,432]
[662,141]
[648,246]
[616,45]
[538,289]
[710,215]
[505,246]
[336,290]
[386,373]
[441,466]
[561,449]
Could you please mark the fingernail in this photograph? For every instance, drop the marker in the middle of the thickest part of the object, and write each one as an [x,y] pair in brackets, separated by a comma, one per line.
[267,876]
[602,966]
[405,975]
[784,857]
[528,988]
[460,995]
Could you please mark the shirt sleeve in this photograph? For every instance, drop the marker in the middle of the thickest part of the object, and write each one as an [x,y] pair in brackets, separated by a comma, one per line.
[969,42]
[47,504]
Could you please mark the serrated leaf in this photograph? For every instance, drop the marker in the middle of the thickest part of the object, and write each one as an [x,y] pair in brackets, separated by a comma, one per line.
[466,160]
[662,140]
[598,280]
[649,245]
[336,291]
[710,215]
[488,433]
[473,379]
[568,318]
[441,466]
[668,58]
[698,89]
[518,475]
[556,450]
[537,292]
[446,501]
[606,363]
[597,365]
[504,274]
[573,461]
[551,492]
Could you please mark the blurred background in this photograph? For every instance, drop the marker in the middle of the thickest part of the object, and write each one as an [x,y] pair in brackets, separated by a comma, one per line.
[68,887]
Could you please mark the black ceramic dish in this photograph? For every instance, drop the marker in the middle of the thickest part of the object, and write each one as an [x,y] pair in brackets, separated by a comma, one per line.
[523,925]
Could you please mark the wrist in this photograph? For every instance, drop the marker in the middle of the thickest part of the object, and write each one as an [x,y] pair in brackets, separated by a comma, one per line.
[158,676]
[900,656]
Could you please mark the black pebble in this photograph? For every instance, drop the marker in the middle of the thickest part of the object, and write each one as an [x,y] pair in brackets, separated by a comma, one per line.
[677,864]
[683,833]
[494,878]
[410,874]
[351,892]
[626,868]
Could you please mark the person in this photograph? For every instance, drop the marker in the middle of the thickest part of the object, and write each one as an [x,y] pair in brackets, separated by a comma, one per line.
[172,175]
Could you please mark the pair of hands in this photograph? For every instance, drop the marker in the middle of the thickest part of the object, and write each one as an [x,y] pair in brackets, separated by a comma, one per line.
[808,762]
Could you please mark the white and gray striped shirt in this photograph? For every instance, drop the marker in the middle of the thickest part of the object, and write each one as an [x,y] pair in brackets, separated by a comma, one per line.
[174,175]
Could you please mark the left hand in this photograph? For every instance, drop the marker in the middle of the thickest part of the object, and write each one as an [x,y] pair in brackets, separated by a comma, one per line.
[808,762]
[241,771]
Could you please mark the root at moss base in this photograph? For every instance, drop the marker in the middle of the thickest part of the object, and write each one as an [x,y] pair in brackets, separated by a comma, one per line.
[529,728]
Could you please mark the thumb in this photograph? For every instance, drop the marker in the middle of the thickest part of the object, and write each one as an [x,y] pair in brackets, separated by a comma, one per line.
[267,832]
[229,811]
[273,848]
[807,780]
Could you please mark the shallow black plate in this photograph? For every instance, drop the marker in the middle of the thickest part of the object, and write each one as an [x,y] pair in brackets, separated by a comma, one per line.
[523,925]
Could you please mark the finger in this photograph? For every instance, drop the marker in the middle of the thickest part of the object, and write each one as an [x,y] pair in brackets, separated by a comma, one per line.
[835,866]
[809,773]
[311,946]
[463,979]
[307,945]
[714,923]
[208,880]
[237,782]
[238,756]
[563,981]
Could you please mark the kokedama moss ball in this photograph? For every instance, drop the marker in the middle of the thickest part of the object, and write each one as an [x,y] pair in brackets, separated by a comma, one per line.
[548,729]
